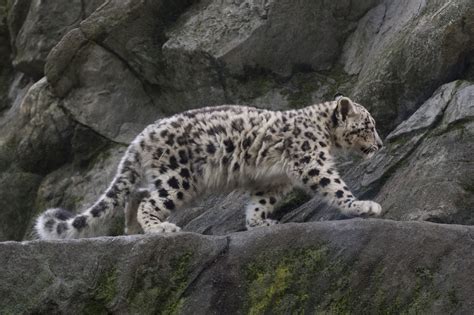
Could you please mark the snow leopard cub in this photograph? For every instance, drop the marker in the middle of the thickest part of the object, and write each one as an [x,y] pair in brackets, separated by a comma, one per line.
[225,147]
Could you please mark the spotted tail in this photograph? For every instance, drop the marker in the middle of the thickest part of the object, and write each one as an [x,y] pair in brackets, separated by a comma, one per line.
[95,221]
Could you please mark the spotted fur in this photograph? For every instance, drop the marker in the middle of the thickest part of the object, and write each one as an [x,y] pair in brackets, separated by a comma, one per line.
[226,147]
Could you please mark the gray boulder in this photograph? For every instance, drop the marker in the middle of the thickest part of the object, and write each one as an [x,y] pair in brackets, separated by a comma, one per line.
[354,266]
[36,26]
[5,51]
[402,51]
[34,133]
[423,172]
[17,199]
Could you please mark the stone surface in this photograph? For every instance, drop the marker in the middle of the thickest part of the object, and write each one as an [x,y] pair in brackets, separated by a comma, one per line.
[17,198]
[43,143]
[428,114]
[425,171]
[252,33]
[5,51]
[46,22]
[112,67]
[215,215]
[119,66]
[403,51]
[353,266]
[107,86]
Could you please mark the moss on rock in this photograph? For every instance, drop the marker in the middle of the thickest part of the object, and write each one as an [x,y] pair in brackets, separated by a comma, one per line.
[155,292]
[283,286]
[104,293]
[311,280]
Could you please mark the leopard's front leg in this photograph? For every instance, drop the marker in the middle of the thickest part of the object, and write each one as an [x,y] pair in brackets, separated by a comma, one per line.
[325,181]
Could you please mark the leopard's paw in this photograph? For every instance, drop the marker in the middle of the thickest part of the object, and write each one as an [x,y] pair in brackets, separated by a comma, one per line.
[367,207]
[165,227]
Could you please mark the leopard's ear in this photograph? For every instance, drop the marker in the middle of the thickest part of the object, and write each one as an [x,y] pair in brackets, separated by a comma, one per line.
[345,107]
[338,95]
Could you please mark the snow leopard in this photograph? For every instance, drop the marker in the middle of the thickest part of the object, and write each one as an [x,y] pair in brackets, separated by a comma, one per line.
[221,148]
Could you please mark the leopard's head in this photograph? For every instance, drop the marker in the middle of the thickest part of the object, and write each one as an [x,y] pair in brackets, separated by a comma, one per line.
[355,128]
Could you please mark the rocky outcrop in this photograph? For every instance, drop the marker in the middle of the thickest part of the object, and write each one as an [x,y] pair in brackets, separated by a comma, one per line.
[111,68]
[36,26]
[354,266]
[403,51]
[424,172]
[79,80]
[5,50]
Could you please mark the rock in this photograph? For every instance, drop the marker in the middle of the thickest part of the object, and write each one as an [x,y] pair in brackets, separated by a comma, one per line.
[422,173]
[403,51]
[426,167]
[215,215]
[10,122]
[44,141]
[427,115]
[434,182]
[213,53]
[17,198]
[108,86]
[35,135]
[124,64]
[461,108]
[251,33]
[78,185]
[5,51]
[61,75]
[351,266]
[46,22]
[104,50]
[112,67]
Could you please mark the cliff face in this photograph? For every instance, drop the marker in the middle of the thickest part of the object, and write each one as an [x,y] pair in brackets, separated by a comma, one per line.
[79,80]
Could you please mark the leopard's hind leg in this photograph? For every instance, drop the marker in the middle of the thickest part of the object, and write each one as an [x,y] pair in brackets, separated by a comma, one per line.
[262,203]
[171,191]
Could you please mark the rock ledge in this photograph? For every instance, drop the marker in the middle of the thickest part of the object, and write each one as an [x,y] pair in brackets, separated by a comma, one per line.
[346,266]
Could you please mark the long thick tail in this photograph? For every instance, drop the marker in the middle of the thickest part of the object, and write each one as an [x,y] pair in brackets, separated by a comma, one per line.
[62,224]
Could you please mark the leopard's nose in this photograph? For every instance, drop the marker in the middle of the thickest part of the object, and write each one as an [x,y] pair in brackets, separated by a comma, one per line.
[378,141]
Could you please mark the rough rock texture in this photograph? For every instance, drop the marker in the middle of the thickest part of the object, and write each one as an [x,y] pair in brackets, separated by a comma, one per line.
[5,50]
[79,80]
[345,267]
[45,22]
[425,171]
[111,69]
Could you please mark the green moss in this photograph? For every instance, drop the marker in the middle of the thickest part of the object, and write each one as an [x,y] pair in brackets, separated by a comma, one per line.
[310,280]
[103,294]
[156,292]
[283,285]
[454,302]
[399,141]
[458,126]
[424,294]
[415,300]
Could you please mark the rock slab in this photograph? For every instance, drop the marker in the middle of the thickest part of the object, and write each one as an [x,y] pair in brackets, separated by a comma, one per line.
[352,266]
